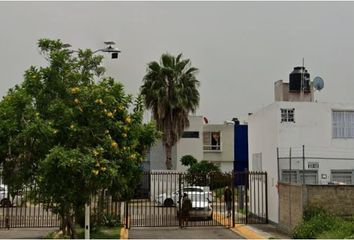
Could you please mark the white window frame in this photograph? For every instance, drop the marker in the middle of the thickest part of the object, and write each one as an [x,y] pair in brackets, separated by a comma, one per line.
[345,171]
[209,147]
[296,175]
[342,124]
[287,115]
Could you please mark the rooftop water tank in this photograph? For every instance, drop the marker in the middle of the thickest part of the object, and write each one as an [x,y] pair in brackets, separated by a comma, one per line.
[295,80]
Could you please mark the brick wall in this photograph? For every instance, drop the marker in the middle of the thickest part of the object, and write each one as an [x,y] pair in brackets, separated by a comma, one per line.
[336,199]
[293,198]
[290,206]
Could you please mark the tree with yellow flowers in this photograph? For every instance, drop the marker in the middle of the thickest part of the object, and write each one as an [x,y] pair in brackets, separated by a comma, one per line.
[68,130]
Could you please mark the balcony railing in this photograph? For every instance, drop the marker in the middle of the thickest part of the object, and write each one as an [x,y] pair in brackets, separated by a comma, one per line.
[212,148]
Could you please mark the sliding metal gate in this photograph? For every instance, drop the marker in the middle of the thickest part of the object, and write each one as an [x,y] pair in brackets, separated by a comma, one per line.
[158,199]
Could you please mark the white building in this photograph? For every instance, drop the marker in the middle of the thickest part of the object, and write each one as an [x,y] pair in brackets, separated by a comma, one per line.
[325,129]
[211,142]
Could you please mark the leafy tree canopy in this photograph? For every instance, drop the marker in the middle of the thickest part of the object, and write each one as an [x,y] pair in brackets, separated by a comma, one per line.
[68,130]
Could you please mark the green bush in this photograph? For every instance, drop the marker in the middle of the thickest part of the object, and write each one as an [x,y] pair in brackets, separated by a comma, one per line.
[111,220]
[318,223]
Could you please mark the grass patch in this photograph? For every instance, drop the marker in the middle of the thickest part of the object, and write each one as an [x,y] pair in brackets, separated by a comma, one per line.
[318,223]
[100,233]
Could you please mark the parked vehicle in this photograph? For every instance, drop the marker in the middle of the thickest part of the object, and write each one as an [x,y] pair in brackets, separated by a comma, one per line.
[194,192]
[8,200]
[200,197]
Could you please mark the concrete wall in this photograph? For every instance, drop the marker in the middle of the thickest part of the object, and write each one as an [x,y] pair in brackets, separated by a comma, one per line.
[263,138]
[338,199]
[190,146]
[193,146]
[290,206]
[293,199]
[312,128]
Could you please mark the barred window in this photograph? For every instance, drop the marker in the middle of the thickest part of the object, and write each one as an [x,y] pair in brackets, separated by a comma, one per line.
[287,114]
[343,124]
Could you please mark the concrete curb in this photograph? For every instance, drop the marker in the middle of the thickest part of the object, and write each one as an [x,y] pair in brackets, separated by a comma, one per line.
[247,232]
[242,229]
[124,233]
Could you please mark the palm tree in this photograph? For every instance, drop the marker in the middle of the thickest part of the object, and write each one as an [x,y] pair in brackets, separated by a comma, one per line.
[170,91]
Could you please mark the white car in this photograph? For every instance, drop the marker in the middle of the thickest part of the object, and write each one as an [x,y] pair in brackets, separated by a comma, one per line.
[7,200]
[195,193]
[200,197]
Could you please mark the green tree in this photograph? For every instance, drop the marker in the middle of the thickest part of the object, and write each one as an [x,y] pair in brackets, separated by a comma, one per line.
[170,91]
[68,131]
[201,173]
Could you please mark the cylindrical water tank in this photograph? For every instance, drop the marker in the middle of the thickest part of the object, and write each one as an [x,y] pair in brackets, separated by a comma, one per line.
[295,78]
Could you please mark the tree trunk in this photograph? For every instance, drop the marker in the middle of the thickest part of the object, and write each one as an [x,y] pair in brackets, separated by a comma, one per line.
[168,150]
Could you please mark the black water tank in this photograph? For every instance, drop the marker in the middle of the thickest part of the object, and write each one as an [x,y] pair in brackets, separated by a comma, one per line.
[295,79]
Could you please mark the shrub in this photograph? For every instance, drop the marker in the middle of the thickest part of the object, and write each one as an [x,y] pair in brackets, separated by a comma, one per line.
[318,223]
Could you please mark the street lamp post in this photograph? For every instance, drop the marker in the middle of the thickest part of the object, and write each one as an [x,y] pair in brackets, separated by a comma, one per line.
[108,49]
[114,55]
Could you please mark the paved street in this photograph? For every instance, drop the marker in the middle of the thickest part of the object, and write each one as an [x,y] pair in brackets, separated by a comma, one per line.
[28,233]
[177,233]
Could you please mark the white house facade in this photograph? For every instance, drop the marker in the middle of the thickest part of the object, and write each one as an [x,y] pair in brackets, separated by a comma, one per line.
[302,141]
[211,142]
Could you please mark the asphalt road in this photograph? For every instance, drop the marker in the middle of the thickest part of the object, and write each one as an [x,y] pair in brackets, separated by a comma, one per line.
[187,233]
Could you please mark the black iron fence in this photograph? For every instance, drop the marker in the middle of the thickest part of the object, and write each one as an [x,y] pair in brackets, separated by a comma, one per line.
[18,210]
[157,202]
[158,199]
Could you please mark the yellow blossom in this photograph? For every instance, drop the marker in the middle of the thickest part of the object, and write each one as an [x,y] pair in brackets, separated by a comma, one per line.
[77,101]
[124,135]
[103,169]
[72,126]
[110,114]
[128,120]
[37,114]
[99,101]
[95,153]
[97,164]
[74,90]
[55,131]
[106,132]
[94,171]
[114,144]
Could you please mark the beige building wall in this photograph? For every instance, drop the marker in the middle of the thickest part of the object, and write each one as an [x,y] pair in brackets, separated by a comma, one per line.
[224,157]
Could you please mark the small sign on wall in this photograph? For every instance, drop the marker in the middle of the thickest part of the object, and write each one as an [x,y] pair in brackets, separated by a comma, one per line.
[313,165]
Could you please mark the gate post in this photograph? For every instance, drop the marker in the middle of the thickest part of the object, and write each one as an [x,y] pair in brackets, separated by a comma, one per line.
[233,198]
[246,195]
[266,196]
[126,214]
[180,175]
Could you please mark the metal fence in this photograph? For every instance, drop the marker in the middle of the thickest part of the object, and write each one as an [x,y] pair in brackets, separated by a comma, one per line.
[315,165]
[19,211]
[158,199]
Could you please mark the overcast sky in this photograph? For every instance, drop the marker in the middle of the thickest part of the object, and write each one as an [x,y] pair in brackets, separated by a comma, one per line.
[240,48]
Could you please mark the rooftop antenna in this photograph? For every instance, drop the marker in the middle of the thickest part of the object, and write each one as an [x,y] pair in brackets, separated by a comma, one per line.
[302,80]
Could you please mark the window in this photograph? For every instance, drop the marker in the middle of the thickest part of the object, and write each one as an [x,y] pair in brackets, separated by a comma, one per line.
[211,141]
[287,114]
[342,176]
[189,134]
[296,176]
[343,124]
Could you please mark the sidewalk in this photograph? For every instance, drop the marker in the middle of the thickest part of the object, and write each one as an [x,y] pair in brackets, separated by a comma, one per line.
[259,231]
[25,233]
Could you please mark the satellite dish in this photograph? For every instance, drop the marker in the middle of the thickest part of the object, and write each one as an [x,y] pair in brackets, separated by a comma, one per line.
[318,83]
